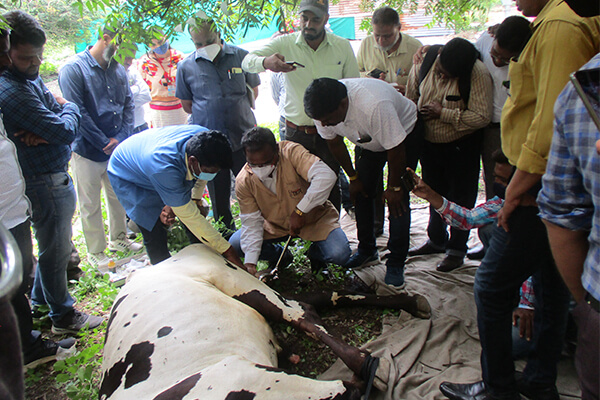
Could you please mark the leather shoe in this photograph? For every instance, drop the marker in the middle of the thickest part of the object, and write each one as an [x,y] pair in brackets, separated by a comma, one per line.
[471,391]
[450,263]
[535,392]
[427,248]
[476,253]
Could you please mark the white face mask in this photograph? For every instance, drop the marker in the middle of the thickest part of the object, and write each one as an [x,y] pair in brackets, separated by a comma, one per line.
[209,52]
[263,172]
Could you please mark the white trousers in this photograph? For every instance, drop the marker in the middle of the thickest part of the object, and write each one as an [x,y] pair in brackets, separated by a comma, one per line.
[90,177]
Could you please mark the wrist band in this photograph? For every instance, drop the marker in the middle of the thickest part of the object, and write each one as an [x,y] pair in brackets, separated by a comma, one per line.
[353,177]
[297,211]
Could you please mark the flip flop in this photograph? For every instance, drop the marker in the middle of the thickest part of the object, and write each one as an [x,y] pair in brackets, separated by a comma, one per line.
[367,373]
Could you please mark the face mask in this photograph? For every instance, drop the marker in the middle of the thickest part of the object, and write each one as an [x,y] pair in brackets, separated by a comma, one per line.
[209,52]
[205,176]
[263,172]
[162,49]
[499,190]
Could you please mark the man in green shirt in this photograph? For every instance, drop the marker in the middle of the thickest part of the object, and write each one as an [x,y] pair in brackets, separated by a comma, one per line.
[317,54]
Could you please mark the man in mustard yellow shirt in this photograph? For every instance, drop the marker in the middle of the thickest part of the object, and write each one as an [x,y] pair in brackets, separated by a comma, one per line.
[387,50]
[561,43]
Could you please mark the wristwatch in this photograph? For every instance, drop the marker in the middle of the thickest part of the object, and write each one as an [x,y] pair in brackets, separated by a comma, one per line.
[297,211]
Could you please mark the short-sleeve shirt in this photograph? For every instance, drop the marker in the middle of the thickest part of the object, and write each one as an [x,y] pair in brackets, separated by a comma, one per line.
[396,65]
[218,92]
[376,109]
[499,74]
[149,170]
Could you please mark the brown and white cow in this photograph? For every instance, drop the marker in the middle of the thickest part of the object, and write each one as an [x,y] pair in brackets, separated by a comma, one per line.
[193,327]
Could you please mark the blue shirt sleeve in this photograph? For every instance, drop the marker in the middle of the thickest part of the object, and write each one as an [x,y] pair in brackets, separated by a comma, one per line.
[128,116]
[182,89]
[71,82]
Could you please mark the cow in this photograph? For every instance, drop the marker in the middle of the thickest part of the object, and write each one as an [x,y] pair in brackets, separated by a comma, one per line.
[193,327]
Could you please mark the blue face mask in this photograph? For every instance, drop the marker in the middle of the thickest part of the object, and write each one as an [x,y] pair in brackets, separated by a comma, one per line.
[205,176]
[162,49]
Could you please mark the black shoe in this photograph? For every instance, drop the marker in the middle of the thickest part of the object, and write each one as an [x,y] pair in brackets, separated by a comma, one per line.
[46,350]
[361,259]
[427,248]
[471,391]
[450,263]
[75,321]
[535,392]
[73,274]
[476,253]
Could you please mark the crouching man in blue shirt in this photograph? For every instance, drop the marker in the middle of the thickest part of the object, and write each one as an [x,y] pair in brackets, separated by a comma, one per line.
[170,167]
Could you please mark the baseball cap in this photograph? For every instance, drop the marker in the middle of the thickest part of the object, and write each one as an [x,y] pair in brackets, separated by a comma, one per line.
[319,7]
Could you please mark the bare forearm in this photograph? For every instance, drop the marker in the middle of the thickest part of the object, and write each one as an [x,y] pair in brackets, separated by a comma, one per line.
[396,165]
[569,249]
[340,152]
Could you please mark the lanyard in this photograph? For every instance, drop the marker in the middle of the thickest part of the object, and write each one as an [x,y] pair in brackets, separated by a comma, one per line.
[166,75]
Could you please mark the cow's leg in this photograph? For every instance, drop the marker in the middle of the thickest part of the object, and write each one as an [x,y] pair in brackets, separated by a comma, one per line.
[417,305]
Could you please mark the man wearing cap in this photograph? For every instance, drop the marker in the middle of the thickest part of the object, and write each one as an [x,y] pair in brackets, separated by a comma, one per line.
[387,49]
[317,54]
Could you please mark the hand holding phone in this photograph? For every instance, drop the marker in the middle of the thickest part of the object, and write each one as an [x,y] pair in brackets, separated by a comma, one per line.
[294,64]
[376,73]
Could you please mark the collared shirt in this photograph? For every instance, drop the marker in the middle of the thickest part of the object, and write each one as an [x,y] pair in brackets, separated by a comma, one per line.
[375,109]
[160,74]
[140,93]
[499,74]
[104,100]
[396,65]
[292,186]
[469,218]
[457,118]
[570,195]
[333,58]
[29,105]
[14,205]
[561,43]
[219,92]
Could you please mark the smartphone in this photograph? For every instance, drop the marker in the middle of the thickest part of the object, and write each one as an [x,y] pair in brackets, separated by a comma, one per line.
[294,64]
[407,181]
[587,85]
[376,73]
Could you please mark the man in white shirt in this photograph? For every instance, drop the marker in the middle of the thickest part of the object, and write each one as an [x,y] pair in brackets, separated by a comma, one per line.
[141,95]
[282,190]
[378,120]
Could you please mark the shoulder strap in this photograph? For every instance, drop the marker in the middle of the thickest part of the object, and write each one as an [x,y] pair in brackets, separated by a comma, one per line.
[428,61]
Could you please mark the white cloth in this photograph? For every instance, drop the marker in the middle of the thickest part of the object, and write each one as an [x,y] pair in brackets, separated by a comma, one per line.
[141,95]
[375,109]
[499,74]
[321,179]
[14,205]
[90,177]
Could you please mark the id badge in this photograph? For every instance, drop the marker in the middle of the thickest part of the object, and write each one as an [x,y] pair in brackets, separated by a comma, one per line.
[171,90]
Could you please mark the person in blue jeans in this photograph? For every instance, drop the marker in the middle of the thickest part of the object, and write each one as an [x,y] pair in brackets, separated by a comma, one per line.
[282,191]
[43,126]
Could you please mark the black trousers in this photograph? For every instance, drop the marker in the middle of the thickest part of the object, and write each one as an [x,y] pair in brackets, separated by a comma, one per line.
[452,170]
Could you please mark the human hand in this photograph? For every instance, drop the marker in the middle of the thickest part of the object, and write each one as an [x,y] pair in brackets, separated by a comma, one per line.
[420,54]
[276,63]
[400,88]
[493,29]
[395,202]
[60,100]
[251,268]
[432,110]
[110,147]
[30,139]
[296,223]
[356,188]
[525,320]
[506,211]
[167,216]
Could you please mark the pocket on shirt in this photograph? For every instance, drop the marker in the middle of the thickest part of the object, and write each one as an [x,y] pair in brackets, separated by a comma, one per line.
[334,71]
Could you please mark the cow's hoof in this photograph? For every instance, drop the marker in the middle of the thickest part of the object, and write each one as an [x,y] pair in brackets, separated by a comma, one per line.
[367,373]
[423,307]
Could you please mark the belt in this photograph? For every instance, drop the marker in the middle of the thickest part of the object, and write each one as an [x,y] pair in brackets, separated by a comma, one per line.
[595,304]
[308,129]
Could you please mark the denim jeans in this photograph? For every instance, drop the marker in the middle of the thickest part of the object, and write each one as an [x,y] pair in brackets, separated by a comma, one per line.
[511,258]
[452,170]
[369,167]
[52,199]
[335,249]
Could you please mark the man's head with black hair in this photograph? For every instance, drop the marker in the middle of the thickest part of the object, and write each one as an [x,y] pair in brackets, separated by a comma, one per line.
[326,100]
[208,151]
[509,40]
[5,60]
[386,28]
[258,138]
[27,39]
[457,58]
